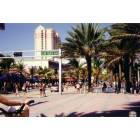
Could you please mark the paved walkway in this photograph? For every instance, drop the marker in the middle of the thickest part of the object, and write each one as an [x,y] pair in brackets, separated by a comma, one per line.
[90,105]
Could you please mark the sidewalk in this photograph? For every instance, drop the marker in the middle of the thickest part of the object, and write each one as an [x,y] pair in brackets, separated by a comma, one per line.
[90,105]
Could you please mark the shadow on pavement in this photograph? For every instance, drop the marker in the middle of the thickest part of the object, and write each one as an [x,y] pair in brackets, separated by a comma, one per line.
[125,112]
[71,93]
[38,103]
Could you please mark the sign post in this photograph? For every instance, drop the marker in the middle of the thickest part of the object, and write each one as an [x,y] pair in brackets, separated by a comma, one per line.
[53,53]
[60,72]
[58,54]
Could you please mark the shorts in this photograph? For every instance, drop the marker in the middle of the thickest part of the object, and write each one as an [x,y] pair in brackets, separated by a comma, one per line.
[13,109]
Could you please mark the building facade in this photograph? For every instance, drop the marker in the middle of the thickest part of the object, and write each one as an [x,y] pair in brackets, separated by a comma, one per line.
[45,39]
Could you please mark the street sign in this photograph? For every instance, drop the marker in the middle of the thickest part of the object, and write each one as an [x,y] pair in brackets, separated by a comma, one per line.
[55,53]
[50,53]
[2,26]
[17,54]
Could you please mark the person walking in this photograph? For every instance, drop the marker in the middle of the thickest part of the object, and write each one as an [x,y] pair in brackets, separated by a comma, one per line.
[137,87]
[78,88]
[104,87]
[24,88]
[43,89]
[40,88]
[16,89]
[119,87]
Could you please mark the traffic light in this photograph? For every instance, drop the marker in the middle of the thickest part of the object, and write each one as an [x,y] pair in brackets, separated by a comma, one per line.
[17,54]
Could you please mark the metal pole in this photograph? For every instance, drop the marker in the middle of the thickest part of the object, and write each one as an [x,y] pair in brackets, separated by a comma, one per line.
[60,72]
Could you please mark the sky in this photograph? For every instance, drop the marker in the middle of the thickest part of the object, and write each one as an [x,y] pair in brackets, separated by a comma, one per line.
[20,36]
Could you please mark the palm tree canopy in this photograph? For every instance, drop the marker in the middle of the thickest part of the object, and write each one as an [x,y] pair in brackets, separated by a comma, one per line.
[82,40]
[125,40]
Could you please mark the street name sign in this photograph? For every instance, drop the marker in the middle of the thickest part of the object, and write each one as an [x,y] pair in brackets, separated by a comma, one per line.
[50,53]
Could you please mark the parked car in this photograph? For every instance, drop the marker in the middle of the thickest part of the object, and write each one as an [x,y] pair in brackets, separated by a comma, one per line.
[55,88]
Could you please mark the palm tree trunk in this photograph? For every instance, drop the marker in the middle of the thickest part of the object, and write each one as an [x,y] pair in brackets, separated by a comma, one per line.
[126,73]
[97,75]
[133,77]
[88,59]
[111,76]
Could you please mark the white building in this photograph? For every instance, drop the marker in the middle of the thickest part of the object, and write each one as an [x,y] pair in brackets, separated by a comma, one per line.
[44,39]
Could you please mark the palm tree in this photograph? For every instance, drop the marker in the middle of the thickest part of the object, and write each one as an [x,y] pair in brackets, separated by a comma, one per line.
[6,63]
[96,68]
[83,41]
[40,71]
[19,66]
[113,61]
[45,72]
[79,69]
[32,72]
[49,73]
[123,45]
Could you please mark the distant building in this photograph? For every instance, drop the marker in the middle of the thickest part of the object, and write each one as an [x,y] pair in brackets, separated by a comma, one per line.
[45,39]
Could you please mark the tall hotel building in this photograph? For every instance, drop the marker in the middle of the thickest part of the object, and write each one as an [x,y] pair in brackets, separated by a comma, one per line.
[45,39]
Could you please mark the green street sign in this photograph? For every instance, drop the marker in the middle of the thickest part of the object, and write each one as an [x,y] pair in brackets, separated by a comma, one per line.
[50,53]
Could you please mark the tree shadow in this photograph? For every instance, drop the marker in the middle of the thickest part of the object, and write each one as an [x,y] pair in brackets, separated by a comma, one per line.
[112,113]
[70,93]
[125,112]
[38,103]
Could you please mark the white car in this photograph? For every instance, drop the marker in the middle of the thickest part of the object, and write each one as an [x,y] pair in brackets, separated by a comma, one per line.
[55,88]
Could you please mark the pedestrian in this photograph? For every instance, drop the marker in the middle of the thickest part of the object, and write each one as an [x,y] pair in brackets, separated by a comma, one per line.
[78,87]
[137,87]
[43,89]
[122,87]
[119,86]
[16,89]
[40,88]
[104,87]
[24,87]
[66,86]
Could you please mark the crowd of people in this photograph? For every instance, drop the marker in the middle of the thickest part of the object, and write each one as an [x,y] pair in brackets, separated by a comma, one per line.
[117,87]
[18,82]
[15,82]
